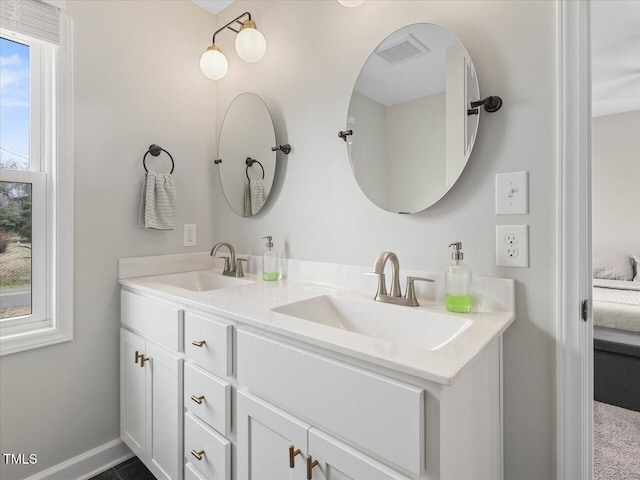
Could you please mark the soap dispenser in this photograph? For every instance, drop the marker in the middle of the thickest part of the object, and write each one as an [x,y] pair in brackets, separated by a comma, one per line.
[270,262]
[457,281]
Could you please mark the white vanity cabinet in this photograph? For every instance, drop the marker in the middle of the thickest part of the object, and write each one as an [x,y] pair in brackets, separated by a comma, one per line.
[337,461]
[275,445]
[151,404]
[377,413]
[205,397]
[267,440]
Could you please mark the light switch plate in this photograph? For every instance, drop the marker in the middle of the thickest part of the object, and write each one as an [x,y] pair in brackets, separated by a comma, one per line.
[512,193]
[512,245]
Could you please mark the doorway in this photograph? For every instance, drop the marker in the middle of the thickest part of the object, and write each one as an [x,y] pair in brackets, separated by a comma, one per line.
[615,173]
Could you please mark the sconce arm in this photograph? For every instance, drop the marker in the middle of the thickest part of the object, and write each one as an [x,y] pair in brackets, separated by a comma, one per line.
[237,19]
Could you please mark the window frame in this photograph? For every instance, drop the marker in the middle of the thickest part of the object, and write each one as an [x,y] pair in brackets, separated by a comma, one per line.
[51,176]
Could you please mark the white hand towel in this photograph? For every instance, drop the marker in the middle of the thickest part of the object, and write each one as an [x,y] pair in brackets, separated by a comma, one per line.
[158,206]
[256,188]
[247,201]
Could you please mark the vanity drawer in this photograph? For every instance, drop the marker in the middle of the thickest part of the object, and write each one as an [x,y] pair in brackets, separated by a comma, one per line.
[215,462]
[157,321]
[215,406]
[207,343]
[380,414]
[192,473]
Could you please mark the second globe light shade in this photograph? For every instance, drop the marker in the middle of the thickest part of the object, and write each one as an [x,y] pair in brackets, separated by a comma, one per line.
[250,45]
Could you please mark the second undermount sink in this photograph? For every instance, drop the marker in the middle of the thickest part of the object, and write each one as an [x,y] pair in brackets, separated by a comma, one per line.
[418,327]
[201,281]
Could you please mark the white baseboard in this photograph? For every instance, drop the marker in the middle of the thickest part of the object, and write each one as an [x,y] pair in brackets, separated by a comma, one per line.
[88,464]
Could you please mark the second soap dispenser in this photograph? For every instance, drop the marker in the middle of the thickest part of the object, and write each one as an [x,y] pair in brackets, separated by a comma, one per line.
[270,262]
[457,281]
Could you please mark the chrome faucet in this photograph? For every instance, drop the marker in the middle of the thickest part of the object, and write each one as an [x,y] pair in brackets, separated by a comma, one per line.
[232,267]
[395,297]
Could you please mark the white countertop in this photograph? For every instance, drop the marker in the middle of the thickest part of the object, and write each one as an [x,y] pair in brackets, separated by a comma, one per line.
[251,305]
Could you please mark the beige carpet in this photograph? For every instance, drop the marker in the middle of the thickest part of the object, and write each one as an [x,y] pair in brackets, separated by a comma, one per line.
[616,443]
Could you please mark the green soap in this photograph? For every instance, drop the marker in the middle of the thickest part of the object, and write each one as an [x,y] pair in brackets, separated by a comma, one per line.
[270,276]
[458,303]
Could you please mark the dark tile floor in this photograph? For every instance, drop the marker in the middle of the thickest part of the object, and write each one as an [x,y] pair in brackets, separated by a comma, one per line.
[132,469]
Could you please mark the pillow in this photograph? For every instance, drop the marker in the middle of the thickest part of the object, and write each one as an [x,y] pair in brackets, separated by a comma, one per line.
[613,266]
[636,261]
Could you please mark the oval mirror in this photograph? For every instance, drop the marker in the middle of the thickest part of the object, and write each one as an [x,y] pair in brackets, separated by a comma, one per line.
[411,132]
[247,165]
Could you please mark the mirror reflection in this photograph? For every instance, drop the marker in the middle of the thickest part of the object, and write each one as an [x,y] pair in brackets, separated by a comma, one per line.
[411,132]
[247,164]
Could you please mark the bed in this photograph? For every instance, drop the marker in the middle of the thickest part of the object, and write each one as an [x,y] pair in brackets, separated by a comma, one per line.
[616,335]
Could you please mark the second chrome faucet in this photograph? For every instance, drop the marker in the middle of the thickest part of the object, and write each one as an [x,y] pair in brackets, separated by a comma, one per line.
[395,296]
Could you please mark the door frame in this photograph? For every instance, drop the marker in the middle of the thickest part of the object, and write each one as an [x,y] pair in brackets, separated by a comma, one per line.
[574,336]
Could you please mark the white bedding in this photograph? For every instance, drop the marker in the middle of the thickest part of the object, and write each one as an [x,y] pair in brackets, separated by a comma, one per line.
[615,307]
[617,284]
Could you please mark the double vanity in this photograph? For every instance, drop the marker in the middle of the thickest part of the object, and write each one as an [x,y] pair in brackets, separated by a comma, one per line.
[228,377]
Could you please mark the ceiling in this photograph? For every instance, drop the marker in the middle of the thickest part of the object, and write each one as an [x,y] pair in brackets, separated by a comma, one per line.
[419,76]
[615,56]
[214,6]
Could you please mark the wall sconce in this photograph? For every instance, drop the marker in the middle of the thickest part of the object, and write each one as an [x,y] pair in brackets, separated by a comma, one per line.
[350,3]
[250,47]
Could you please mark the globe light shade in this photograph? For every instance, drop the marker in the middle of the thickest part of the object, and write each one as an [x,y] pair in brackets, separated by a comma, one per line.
[350,3]
[213,63]
[250,43]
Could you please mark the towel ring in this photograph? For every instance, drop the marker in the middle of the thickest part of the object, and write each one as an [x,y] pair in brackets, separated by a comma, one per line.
[155,151]
[250,161]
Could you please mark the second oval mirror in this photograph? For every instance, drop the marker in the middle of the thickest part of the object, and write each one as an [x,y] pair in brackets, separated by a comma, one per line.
[411,134]
[246,162]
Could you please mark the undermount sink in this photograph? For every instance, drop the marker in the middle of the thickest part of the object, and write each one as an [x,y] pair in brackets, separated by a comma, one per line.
[201,281]
[426,330]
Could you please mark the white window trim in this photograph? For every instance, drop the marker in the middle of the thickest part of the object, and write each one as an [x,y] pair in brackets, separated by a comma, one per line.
[59,325]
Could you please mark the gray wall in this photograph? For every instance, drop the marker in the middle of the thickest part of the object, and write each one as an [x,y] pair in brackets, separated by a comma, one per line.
[137,82]
[317,212]
[369,146]
[416,152]
[616,182]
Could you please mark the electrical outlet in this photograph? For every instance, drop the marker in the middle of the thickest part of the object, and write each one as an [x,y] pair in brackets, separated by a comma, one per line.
[511,238]
[507,237]
[189,235]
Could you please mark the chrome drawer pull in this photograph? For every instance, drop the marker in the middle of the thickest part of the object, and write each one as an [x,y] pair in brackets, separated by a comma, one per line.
[198,400]
[198,455]
[199,344]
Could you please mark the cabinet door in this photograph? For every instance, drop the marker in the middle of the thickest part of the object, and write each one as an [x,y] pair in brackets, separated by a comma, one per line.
[165,413]
[133,398]
[337,461]
[264,436]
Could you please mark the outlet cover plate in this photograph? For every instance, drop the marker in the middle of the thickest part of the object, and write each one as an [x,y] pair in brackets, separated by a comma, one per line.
[512,193]
[189,235]
[512,245]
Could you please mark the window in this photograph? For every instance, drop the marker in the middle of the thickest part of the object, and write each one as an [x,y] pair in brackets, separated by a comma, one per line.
[35,177]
